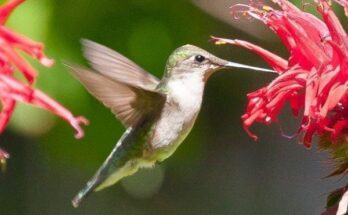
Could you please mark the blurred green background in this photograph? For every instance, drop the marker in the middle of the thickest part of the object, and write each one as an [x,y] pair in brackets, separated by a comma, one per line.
[217,170]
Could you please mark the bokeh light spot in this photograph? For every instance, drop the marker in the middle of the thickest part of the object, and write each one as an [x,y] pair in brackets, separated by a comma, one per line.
[30,121]
[145,183]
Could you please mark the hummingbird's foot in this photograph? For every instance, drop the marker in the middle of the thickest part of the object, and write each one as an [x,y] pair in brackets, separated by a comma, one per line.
[3,160]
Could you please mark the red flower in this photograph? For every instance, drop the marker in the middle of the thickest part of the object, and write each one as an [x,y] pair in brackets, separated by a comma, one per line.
[315,76]
[13,90]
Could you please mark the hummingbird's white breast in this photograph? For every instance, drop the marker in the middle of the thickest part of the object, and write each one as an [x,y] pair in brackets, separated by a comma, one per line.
[179,113]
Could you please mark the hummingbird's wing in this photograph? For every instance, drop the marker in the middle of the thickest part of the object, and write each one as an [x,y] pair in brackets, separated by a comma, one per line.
[116,66]
[129,103]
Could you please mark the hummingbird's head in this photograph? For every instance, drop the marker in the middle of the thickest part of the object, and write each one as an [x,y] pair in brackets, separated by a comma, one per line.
[189,59]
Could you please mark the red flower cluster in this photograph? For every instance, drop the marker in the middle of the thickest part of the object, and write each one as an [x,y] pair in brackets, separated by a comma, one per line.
[12,89]
[314,78]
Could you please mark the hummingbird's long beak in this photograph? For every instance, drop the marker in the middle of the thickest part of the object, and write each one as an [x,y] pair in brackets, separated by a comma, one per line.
[238,65]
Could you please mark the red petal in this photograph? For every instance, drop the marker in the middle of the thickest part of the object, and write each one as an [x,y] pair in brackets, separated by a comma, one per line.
[27,70]
[335,95]
[8,106]
[7,9]
[12,88]
[337,32]
[27,45]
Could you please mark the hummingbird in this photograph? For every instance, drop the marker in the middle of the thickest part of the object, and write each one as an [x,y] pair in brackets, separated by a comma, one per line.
[157,114]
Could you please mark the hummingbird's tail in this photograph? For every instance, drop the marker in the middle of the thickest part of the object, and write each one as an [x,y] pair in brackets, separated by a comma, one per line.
[84,193]
[106,176]
[118,165]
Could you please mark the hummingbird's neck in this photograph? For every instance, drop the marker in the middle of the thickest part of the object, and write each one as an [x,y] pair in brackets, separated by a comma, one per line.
[186,90]
[193,81]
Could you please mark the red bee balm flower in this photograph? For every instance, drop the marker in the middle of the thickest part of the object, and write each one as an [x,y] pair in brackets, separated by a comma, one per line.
[314,77]
[13,90]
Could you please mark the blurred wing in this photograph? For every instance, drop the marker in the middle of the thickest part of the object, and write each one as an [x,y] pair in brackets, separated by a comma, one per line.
[117,67]
[129,104]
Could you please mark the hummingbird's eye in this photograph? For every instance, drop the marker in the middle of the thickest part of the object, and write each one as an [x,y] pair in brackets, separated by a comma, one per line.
[199,58]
